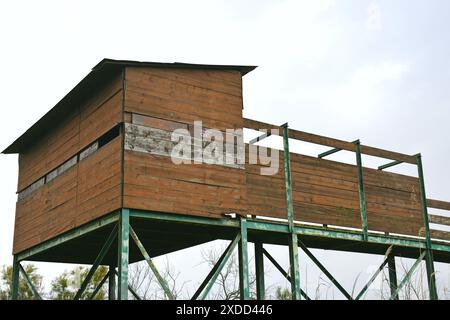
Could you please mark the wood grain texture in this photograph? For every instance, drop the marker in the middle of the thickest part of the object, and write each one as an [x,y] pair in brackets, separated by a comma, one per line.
[82,193]
[86,123]
[153,182]
[186,96]
[326,192]
[331,142]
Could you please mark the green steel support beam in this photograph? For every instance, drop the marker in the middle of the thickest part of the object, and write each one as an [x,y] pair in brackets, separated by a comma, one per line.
[329,152]
[372,279]
[325,271]
[244,283]
[293,247]
[191,219]
[112,282]
[259,270]
[390,164]
[97,262]
[294,267]
[123,254]
[134,293]
[15,279]
[279,227]
[431,276]
[408,275]
[392,274]
[67,236]
[261,137]
[362,195]
[29,282]
[284,273]
[100,285]
[152,266]
[210,279]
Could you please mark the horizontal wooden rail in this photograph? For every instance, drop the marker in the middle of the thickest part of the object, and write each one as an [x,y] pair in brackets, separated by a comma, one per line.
[439,219]
[331,142]
[438,204]
[440,235]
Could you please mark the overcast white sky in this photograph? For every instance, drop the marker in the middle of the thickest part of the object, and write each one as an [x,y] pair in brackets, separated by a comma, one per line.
[374,70]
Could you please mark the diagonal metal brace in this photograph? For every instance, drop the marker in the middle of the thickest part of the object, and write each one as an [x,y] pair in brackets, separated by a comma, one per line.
[152,266]
[99,286]
[130,288]
[210,279]
[390,164]
[29,282]
[372,279]
[283,272]
[325,271]
[97,262]
[408,275]
[261,137]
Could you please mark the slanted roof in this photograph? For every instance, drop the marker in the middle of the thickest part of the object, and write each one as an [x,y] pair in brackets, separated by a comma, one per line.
[103,71]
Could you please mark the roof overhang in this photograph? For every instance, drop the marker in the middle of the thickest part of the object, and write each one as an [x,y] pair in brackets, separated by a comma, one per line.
[103,71]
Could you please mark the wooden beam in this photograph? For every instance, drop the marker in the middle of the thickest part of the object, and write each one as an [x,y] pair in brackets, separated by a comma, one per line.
[332,142]
[440,235]
[439,219]
[437,204]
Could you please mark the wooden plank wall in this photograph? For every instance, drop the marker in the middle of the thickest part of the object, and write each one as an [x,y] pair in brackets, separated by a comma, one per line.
[86,123]
[186,95]
[84,192]
[326,192]
[174,98]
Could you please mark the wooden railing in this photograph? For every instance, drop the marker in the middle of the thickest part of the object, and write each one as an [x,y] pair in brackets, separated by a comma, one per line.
[377,152]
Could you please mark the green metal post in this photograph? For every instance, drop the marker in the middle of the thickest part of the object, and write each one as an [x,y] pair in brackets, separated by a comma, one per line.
[243,262]
[429,256]
[123,254]
[259,270]
[112,282]
[134,293]
[15,279]
[408,275]
[293,247]
[362,195]
[392,274]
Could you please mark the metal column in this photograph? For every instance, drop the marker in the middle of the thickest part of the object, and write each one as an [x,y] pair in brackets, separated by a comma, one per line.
[293,241]
[123,251]
[15,279]
[429,255]
[392,275]
[112,282]
[243,262]
[362,195]
[259,270]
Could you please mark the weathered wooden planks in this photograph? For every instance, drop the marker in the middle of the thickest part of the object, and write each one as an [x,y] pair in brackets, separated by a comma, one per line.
[331,142]
[326,192]
[153,182]
[85,191]
[186,96]
[99,183]
[86,123]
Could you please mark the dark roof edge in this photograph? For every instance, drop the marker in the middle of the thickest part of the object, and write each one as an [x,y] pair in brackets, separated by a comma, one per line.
[242,69]
[99,73]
